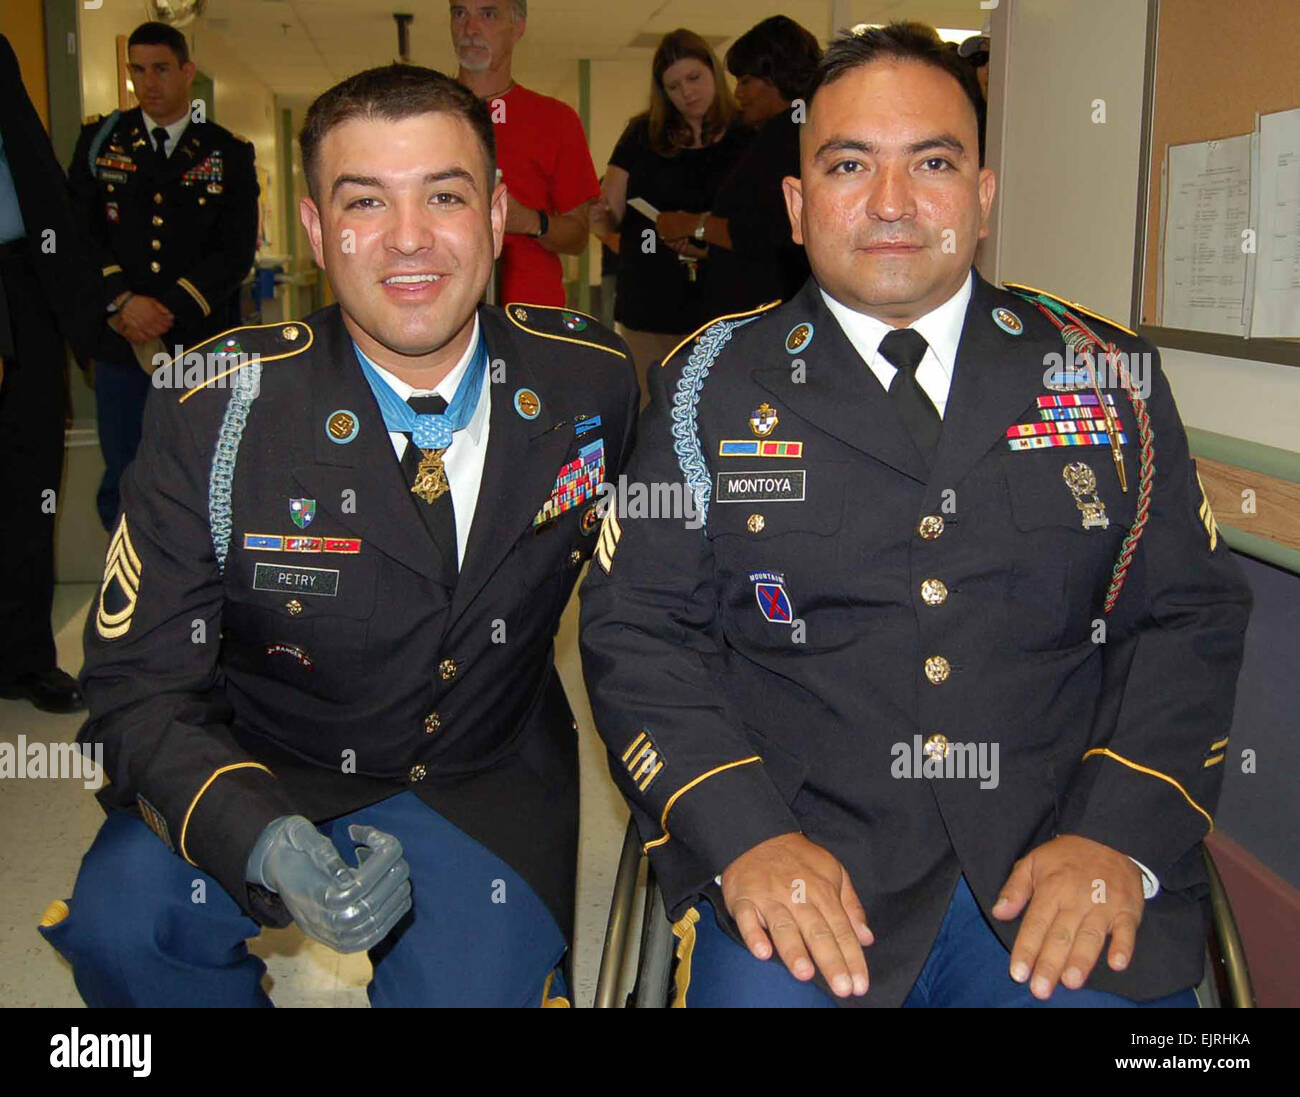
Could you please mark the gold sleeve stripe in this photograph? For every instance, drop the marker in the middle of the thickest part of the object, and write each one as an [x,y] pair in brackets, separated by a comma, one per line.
[1206,513]
[607,542]
[730,316]
[1098,751]
[651,776]
[1220,744]
[633,746]
[190,288]
[121,567]
[1213,761]
[185,824]
[663,819]
[54,914]
[112,268]
[559,1001]
[684,931]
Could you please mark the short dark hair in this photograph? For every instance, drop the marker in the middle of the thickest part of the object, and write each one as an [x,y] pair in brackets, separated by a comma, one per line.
[392,93]
[160,34]
[901,42]
[779,51]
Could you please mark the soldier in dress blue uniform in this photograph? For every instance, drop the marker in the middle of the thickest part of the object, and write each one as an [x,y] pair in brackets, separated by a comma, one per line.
[934,703]
[169,202]
[331,599]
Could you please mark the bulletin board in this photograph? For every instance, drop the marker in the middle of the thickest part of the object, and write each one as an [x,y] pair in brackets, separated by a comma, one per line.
[1211,68]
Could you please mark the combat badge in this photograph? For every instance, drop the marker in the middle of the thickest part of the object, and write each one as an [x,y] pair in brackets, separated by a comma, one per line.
[773,599]
[1082,482]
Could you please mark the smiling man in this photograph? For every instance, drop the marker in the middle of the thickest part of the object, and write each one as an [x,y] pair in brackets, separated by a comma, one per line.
[321,659]
[929,693]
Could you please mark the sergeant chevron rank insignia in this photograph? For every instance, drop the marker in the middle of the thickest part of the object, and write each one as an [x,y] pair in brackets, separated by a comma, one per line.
[121,586]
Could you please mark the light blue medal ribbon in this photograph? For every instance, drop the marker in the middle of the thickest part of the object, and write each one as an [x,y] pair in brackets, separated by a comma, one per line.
[429,431]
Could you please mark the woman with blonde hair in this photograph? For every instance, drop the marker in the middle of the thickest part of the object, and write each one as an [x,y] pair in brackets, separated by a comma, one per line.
[673,156]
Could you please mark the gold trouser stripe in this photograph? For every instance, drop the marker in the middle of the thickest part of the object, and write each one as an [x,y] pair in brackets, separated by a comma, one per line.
[558,1002]
[1150,773]
[1213,761]
[1221,743]
[54,914]
[730,316]
[633,746]
[663,819]
[113,268]
[193,290]
[185,825]
[684,931]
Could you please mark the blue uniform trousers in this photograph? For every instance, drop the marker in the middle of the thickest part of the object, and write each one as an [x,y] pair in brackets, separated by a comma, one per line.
[967,967]
[477,934]
[121,389]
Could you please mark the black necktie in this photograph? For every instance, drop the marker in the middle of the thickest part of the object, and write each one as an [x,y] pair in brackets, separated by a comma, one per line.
[439,516]
[904,348]
[160,141]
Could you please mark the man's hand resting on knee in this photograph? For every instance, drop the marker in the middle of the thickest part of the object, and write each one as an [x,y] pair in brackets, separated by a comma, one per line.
[349,909]
[801,896]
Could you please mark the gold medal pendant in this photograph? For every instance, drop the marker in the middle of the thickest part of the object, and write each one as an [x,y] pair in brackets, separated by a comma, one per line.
[430,477]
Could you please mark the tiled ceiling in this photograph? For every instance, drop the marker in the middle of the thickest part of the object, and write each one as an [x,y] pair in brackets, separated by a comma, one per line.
[299,47]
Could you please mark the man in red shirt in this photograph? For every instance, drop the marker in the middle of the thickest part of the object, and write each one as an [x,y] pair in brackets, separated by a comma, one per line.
[541,150]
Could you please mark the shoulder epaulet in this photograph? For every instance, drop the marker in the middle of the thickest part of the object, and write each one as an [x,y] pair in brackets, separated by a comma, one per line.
[717,319]
[1029,293]
[564,324]
[209,364]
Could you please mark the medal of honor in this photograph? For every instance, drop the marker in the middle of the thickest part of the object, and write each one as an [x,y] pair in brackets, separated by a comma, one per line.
[430,476]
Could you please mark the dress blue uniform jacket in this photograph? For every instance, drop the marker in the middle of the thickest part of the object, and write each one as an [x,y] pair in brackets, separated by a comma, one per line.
[328,666]
[788,665]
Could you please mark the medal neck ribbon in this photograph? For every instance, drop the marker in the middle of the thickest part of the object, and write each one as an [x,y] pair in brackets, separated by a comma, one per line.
[430,432]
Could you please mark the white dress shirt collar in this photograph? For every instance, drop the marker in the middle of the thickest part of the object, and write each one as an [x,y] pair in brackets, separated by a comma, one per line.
[941,328]
[174,131]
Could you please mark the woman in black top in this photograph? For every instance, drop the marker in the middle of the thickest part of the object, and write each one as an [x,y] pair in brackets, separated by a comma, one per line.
[753,258]
[673,156]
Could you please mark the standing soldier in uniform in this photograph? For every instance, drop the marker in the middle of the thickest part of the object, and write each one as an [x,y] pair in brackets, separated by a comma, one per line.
[331,599]
[950,665]
[169,202]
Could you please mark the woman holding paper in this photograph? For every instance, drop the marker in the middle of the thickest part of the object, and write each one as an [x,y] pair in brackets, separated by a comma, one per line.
[673,156]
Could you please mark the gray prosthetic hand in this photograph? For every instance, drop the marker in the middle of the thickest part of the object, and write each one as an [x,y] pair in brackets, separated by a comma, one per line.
[349,909]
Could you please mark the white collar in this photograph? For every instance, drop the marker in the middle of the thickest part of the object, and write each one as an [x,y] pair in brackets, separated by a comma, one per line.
[174,131]
[941,327]
[446,387]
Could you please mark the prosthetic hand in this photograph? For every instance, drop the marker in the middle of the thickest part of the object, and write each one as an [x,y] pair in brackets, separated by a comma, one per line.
[349,909]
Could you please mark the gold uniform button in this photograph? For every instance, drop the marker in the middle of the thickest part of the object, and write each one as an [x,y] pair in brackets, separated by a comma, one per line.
[156,245]
[934,592]
[756,523]
[155,220]
[293,606]
[110,188]
[155,266]
[937,669]
[203,201]
[290,333]
[157,199]
[447,669]
[432,722]
[936,746]
[575,557]
[417,772]
[931,526]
